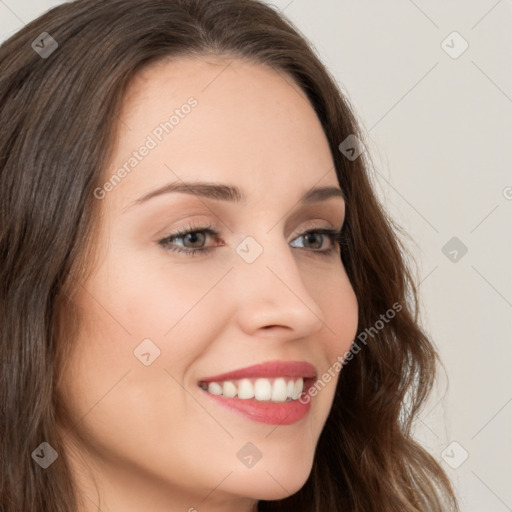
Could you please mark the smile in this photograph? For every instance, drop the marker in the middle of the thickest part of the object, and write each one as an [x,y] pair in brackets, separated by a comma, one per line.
[265,393]
[278,389]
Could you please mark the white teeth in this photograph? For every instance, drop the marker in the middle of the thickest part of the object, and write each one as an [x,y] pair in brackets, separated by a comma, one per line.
[297,388]
[229,389]
[277,389]
[245,389]
[289,388]
[262,389]
[215,388]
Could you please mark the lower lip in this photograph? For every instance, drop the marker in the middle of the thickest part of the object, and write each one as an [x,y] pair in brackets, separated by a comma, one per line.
[271,413]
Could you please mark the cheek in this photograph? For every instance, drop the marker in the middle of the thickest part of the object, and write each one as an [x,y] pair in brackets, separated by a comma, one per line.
[151,295]
[130,309]
[338,302]
[344,312]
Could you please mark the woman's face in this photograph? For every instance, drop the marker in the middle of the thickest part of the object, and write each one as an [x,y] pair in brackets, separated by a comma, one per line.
[160,325]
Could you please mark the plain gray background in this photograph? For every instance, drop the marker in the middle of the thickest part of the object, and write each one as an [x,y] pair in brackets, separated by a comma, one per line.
[437,120]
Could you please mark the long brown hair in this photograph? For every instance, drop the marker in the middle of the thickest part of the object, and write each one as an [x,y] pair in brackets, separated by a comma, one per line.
[58,124]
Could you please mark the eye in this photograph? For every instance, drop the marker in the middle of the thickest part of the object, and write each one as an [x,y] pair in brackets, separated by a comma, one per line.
[317,237]
[189,234]
[194,240]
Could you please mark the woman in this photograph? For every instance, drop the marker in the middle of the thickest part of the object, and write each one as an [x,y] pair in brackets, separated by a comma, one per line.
[170,339]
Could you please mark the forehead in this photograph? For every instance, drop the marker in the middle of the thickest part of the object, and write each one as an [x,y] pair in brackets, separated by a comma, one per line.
[220,120]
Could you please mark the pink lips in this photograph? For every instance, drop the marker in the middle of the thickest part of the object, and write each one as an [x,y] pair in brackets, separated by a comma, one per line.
[273,413]
[271,369]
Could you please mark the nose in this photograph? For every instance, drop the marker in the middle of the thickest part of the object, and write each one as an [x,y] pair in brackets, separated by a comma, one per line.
[271,295]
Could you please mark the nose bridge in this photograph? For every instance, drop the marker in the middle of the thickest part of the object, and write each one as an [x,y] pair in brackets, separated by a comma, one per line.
[270,287]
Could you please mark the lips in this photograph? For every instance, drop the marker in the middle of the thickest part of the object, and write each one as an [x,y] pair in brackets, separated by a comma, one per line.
[265,393]
[292,369]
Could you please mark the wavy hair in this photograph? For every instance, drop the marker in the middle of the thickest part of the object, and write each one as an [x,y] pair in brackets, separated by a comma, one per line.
[59,124]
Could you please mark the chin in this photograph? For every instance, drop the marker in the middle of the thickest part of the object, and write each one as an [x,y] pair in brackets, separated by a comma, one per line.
[271,481]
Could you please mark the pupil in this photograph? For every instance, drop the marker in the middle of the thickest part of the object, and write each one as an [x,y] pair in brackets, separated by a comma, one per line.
[311,238]
[193,237]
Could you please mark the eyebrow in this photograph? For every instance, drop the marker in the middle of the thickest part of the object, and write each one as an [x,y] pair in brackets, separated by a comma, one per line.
[223,192]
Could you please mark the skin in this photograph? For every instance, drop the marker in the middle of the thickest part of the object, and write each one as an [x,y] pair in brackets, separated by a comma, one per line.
[147,436]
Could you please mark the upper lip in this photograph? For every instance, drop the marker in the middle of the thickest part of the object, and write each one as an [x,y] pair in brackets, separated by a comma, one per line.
[269,369]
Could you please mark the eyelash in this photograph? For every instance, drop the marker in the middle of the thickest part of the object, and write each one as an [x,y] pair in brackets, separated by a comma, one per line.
[334,236]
